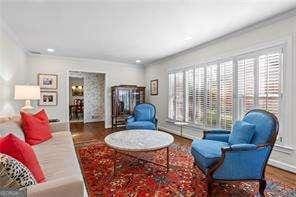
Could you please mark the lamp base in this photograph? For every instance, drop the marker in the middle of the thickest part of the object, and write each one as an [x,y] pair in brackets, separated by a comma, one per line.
[27,106]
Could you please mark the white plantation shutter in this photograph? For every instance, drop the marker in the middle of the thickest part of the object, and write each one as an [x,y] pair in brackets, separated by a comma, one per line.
[245,85]
[200,95]
[179,96]
[269,82]
[171,104]
[226,94]
[216,94]
[189,114]
[212,116]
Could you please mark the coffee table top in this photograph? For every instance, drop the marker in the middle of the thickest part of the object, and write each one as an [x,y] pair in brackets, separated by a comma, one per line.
[139,140]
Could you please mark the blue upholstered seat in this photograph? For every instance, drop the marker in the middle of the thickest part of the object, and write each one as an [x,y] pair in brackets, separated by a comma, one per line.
[143,118]
[141,125]
[207,152]
[245,157]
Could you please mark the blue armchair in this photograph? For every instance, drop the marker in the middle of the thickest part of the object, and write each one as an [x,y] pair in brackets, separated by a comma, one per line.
[222,160]
[143,118]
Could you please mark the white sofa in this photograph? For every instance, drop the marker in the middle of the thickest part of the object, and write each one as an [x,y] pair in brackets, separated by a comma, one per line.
[59,163]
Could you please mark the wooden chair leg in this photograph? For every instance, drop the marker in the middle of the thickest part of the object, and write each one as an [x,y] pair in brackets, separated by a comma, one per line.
[209,186]
[262,186]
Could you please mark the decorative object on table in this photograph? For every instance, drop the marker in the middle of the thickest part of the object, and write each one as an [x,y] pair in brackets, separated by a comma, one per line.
[48,98]
[222,156]
[143,117]
[14,174]
[140,141]
[48,81]
[27,93]
[77,90]
[54,120]
[183,179]
[154,87]
[124,99]
[181,124]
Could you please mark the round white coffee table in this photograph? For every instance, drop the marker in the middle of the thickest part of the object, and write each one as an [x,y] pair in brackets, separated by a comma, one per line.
[139,141]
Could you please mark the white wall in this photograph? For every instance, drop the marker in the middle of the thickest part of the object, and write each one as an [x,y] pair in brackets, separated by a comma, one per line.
[268,32]
[13,70]
[116,74]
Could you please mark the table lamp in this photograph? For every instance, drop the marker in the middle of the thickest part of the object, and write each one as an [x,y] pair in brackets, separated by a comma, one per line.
[27,93]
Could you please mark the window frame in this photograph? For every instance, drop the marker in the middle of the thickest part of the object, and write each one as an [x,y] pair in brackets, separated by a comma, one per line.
[255,52]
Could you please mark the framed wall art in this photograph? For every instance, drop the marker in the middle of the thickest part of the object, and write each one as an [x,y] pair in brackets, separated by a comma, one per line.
[48,98]
[48,81]
[154,87]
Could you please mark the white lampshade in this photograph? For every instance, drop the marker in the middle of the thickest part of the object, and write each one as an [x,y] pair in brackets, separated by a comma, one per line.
[26,92]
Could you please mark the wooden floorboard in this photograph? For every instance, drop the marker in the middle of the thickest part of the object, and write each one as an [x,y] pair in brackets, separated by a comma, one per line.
[95,132]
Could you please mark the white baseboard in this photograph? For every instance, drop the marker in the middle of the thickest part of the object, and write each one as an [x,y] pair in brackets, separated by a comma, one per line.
[282,165]
[177,132]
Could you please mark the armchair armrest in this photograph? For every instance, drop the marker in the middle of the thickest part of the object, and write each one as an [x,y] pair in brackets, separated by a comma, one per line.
[243,147]
[130,119]
[242,161]
[217,135]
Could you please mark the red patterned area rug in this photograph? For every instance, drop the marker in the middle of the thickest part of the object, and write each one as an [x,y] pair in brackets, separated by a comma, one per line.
[139,178]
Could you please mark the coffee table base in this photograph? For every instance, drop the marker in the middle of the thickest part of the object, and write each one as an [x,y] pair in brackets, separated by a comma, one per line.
[165,166]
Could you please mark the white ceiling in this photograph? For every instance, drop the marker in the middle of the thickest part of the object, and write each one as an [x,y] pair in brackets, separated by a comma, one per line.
[127,30]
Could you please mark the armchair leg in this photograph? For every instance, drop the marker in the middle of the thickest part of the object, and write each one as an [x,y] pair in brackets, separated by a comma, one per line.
[209,185]
[262,186]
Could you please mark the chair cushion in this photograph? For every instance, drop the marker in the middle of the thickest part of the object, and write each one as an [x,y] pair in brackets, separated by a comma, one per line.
[265,126]
[36,127]
[141,125]
[207,152]
[242,133]
[144,112]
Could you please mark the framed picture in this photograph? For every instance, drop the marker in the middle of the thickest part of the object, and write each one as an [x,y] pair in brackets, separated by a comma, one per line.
[48,81]
[48,98]
[154,87]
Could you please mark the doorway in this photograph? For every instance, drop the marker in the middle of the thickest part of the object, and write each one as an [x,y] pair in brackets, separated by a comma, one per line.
[86,97]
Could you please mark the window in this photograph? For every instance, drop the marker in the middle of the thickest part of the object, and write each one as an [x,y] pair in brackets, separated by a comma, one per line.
[171,96]
[226,94]
[217,93]
[189,114]
[211,96]
[199,87]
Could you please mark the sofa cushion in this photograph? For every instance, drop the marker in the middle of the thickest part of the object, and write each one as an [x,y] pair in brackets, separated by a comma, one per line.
[141,125]
[13,174]
[242,133]
[23,152]
[11,127]
[207,152]
[57,156]
[36,127]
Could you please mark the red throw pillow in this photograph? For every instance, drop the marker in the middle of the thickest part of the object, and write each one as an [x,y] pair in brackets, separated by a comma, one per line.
[36,127]
[23,152]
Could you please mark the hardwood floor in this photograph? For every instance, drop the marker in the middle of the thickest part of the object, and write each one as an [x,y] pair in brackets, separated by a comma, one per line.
[95,132]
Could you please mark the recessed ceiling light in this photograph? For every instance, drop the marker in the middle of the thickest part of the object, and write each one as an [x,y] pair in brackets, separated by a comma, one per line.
[138,61]
[50,50]
[188,38]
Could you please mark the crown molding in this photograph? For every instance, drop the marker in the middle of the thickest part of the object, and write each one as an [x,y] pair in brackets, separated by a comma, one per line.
[263,23]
